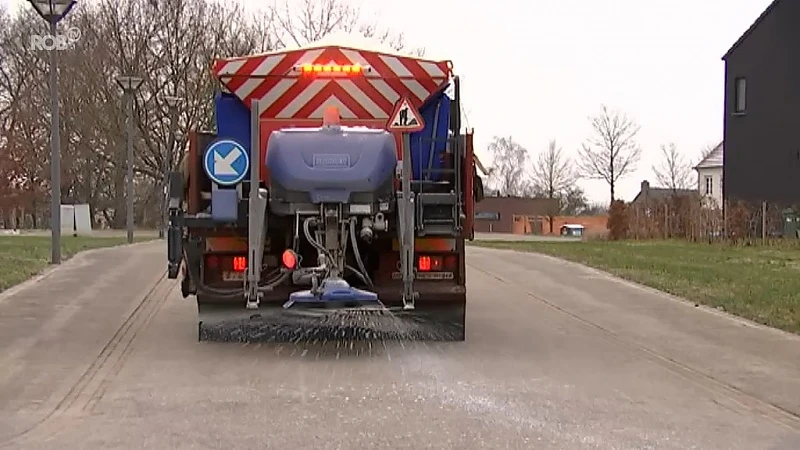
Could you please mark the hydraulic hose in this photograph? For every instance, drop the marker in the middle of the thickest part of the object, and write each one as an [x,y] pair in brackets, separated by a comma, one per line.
[362,273]
[358,254]
[312,241]
[357,273]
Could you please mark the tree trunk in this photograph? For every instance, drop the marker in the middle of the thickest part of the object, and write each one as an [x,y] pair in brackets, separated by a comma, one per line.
[612,193]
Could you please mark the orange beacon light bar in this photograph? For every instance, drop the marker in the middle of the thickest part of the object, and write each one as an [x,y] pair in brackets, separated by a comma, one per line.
[332,69]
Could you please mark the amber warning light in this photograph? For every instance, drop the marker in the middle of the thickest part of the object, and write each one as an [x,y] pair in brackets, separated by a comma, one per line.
[332,69]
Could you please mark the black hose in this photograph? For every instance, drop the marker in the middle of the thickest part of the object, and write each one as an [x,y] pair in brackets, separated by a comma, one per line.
[194,276]
[313,241]
[362,274]
[357,273]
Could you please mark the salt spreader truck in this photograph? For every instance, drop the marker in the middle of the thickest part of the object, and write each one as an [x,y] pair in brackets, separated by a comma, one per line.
[336,178]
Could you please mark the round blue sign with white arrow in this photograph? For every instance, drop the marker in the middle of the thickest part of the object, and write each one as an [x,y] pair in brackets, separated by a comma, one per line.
[226,162]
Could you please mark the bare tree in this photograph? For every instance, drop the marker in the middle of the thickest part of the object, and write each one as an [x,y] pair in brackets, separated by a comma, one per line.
[573,201]
[170,44]
[552,176]
[299,23]
[595,209]
[508,175]
[675,171]
[612,153]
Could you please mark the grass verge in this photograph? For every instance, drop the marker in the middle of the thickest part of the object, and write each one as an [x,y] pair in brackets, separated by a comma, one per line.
[22,257]
[760,283]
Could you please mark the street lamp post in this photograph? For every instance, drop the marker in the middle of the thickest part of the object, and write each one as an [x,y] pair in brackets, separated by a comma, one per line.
[129,85]
[172,104]
[178,145]
[53,11]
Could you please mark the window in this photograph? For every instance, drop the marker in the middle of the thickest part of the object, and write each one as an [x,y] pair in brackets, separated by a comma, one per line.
[709,185]
[489,216]
[740,95]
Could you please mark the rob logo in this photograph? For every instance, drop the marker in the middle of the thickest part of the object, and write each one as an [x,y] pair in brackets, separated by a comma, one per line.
[58,42]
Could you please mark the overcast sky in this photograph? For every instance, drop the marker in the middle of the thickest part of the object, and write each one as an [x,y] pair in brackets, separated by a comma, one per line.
[536,69]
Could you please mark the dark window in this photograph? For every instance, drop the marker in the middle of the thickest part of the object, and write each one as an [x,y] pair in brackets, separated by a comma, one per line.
[740,95]
[709,185]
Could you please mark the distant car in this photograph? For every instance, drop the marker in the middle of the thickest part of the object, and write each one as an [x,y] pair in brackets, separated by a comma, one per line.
[572,230]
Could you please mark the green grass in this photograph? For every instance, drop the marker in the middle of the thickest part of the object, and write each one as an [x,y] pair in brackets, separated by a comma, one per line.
[22,257]
[760,282]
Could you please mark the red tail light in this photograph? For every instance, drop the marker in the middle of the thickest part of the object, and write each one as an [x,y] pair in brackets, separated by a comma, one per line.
[429,263]
[424,263]
[239,263]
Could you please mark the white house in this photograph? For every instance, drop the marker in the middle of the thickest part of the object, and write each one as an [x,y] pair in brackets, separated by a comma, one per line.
[709,176]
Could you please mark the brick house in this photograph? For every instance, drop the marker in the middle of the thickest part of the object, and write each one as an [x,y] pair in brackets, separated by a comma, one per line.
[499,215]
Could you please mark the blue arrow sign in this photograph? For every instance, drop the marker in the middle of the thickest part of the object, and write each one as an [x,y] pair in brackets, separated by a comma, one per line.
[226,162]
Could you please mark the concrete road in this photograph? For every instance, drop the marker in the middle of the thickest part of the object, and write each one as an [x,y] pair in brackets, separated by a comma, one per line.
[103,354]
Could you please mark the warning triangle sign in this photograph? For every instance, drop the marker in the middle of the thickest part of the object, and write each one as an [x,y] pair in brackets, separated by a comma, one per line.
[405,118]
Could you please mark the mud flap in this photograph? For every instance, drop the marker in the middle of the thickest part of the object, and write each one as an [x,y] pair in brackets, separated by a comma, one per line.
[175,225]
[477,187]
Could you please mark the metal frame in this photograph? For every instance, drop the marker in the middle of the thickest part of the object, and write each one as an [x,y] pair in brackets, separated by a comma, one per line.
[454,197]
[406,230]
[257,215]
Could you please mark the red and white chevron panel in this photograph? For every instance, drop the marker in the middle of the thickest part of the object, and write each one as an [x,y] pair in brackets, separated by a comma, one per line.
[284,94]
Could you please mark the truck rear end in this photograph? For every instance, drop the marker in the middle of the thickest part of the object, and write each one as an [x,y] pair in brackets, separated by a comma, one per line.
[302,200]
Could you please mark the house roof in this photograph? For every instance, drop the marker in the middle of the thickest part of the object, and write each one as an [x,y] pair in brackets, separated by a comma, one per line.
[656,193]
[713,159]
[755,24]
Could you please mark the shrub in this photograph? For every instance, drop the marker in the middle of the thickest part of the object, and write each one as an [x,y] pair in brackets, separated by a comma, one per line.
[618,220]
